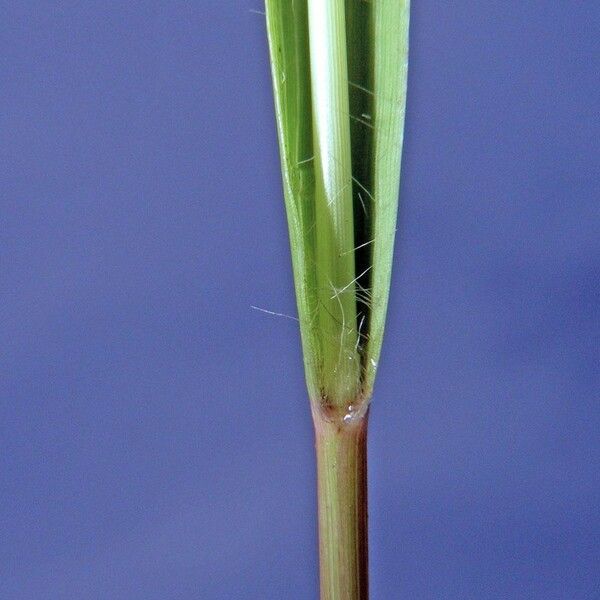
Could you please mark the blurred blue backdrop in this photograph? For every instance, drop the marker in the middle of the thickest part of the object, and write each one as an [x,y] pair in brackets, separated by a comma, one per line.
[155,434]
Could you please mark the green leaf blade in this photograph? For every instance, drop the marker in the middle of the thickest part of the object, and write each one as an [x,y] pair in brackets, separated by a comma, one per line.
[287,28]
[390,70]
[339,77]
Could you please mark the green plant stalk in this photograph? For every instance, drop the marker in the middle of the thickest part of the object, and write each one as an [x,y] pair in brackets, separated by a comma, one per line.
[342,498]
[339,78]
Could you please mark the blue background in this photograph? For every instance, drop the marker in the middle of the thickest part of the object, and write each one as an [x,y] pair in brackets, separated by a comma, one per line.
[155,435]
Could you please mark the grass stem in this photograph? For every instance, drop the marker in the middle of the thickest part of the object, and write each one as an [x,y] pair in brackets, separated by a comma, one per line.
[339,72]
[341,449]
